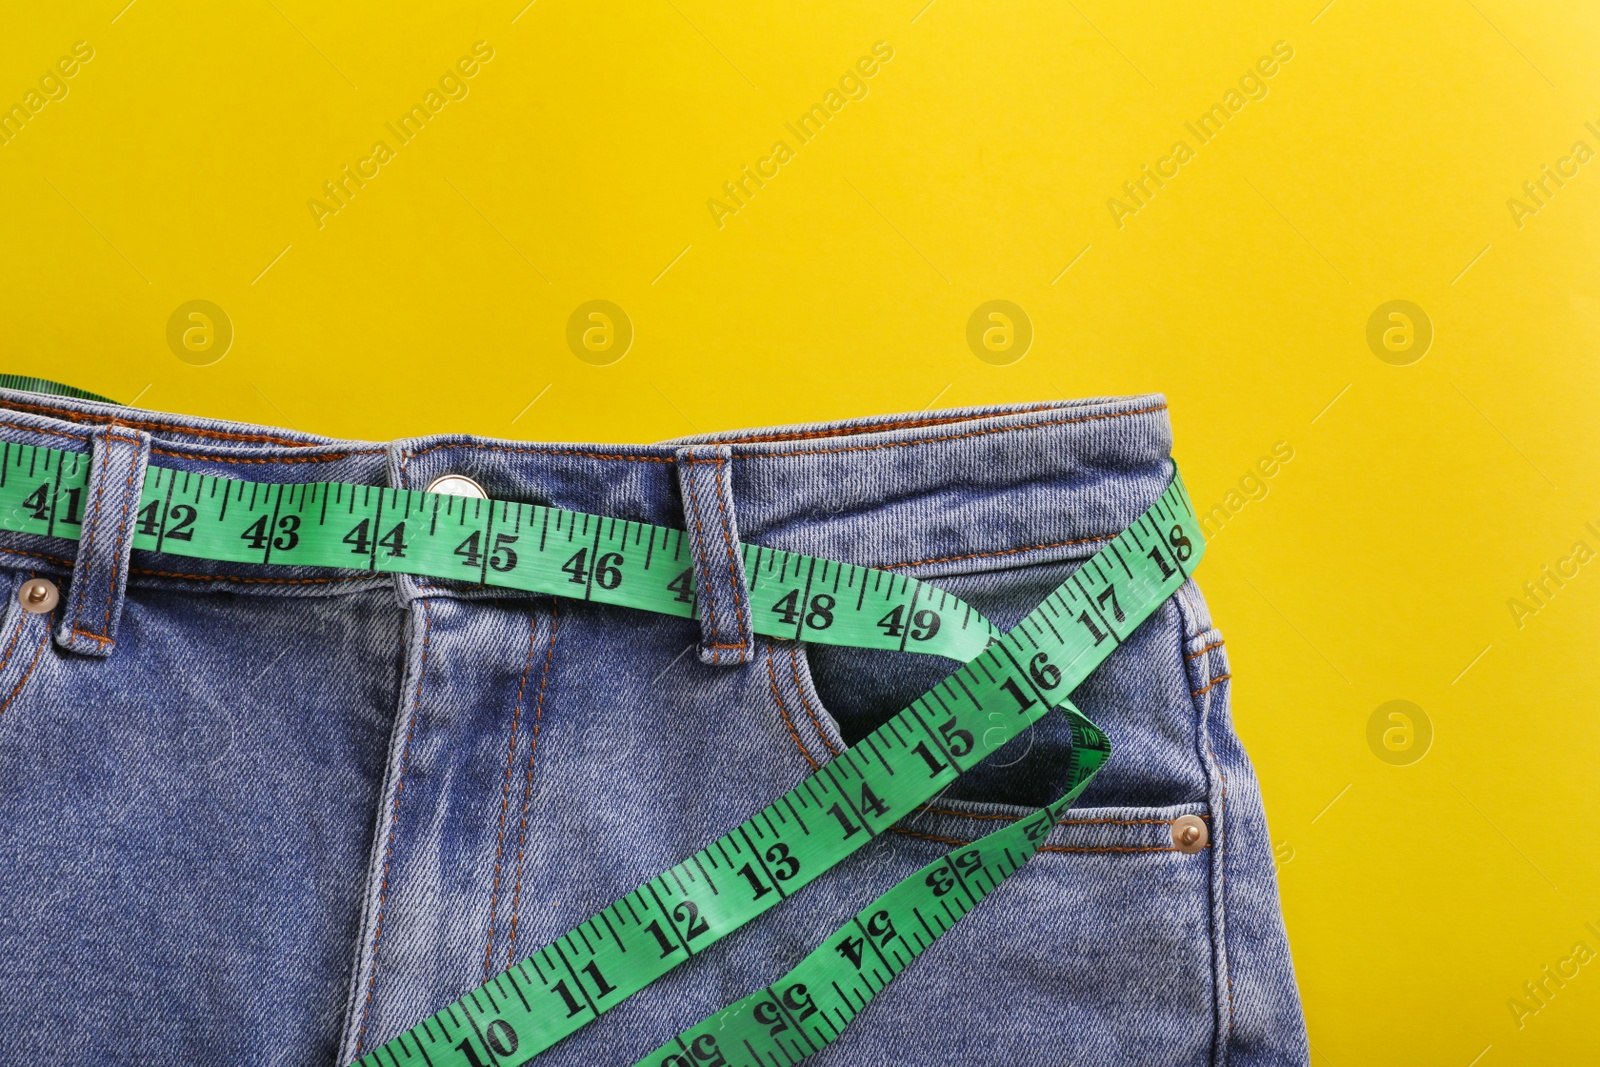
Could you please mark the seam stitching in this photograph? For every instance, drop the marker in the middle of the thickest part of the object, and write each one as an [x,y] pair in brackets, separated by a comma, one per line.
[802,452]
[543,452]
[16,635]
[58,560]
[505,791]
[24,427]
[326,457]
[997,552]
[805,702]
[77,416]
[877,427]
[1059,822]
[86,543]
[1219,839]
[67,563]
[251,580]
[739,603]
[783,711]
[45,640]
[114,420]
[707,596]
[1222,885]
[955,436]
[394,821]
[527,781]
[122,529]
[1046,848]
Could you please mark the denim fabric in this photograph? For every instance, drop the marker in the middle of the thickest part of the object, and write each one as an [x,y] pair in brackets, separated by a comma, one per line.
[94,600]
[293,812]
[706,482]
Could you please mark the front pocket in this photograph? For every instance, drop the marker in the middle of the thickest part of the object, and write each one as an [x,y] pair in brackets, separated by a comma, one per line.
[952,819]
[1140,696]
[1099,950]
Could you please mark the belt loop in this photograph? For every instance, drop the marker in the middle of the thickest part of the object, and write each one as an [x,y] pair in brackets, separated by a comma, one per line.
[93,606]
[705,475]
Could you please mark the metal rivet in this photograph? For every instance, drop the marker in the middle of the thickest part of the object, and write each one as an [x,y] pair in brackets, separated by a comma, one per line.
[39,595]
[1189,833]
[457,485]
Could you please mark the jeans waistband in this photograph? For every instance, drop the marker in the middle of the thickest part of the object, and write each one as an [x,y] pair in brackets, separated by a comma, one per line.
[927,493]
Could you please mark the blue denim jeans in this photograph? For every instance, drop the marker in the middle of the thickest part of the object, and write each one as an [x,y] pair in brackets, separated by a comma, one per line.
[277,816]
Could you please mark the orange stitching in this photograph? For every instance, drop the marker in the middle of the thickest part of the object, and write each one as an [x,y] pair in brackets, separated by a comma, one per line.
[733,568]
[1222,878]
[1045,848]
[1203,651]
[45,640]
[527,781]
[952,437]
[726,645]
[1109,848]
[196,431]
[57,560]
[705,569]
[1059,822]
[505,792]
[997,552]
[805,702]
[463,586]
[76,632]
[16,636]
[772,455]
[1222,864]
[394,818]
[198,456]
[543,452]
[86,545]
[783,710]
[1119,822]
[877,427]
[330,457]
[1207,687]
[128,496]
[116,420]
[44,429]
[248,579]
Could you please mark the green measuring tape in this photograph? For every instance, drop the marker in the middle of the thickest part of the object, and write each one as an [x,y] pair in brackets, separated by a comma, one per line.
[30,384]
[492,542]
[1006,684]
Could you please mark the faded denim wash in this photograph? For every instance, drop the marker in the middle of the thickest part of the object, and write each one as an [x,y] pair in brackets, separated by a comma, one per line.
[277,816]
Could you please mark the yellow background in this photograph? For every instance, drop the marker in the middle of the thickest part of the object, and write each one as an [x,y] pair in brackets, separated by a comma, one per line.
[1379,565]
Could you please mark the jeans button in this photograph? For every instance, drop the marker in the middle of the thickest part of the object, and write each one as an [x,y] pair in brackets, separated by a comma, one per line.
[1189,833]
[457,485]
[39,595]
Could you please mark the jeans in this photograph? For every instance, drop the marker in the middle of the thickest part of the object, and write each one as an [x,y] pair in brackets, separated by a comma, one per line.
[278,815]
